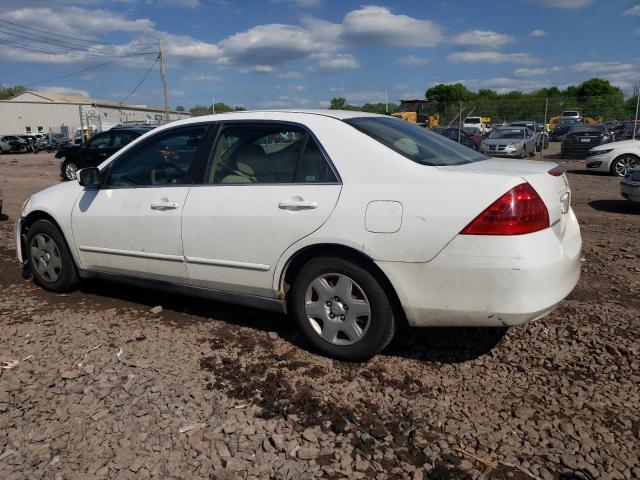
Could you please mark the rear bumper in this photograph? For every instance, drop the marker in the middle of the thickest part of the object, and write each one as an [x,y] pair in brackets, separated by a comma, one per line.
[490,281]
[576,149]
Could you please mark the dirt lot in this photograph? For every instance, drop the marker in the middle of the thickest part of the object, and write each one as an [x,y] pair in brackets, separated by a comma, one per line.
[110,380]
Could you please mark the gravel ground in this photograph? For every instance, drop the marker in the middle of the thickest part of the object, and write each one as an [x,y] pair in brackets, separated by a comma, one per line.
[116,382]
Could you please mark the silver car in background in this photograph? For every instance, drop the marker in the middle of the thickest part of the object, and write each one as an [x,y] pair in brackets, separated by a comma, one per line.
[509,142]
[630,185]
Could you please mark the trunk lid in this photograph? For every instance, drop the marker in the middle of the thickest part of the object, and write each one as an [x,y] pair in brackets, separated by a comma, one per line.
[550,188]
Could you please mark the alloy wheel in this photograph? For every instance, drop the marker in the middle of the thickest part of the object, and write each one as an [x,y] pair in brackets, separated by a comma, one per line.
[71,171]
[624,165]
[337,309]
[46,257]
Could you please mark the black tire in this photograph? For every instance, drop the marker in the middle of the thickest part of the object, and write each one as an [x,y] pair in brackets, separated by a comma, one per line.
[66,170]
[381,322]
[523,153]
[68,275]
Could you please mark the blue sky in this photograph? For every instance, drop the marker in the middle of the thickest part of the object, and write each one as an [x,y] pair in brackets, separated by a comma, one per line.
[301,53]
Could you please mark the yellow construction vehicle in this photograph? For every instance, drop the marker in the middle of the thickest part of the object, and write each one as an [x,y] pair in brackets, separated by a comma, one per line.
[415,111]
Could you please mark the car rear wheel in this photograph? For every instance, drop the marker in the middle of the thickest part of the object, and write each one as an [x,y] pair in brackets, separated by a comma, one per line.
[342,309]
[623,164]
[49,257]
[523,153]
[69,170]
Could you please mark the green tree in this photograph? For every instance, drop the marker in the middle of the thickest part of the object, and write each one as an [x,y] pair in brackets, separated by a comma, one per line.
[597,87]
[8,92]
[443,92]
[179,108]
[338,103]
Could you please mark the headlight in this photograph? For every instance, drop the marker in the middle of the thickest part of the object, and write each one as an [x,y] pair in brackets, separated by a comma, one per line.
[595,153]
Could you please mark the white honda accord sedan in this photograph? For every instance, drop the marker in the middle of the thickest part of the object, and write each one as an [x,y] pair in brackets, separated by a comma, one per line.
[349,222]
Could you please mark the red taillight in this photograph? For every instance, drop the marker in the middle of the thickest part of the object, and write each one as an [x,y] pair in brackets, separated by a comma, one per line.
[556,171]
[519,211]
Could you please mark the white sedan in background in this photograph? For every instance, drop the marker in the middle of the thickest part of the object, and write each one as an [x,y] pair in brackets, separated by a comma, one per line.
[349,222]
[617,158]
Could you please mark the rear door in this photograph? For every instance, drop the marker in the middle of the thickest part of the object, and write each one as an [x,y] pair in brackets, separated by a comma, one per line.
[266,186]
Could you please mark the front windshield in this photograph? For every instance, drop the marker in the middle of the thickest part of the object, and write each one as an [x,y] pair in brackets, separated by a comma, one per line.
[415,143]
[508,133]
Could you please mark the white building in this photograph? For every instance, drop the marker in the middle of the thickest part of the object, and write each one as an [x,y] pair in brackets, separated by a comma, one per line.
[43,112]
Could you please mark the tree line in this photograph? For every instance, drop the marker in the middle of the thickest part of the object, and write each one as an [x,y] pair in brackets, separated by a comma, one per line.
[596,97]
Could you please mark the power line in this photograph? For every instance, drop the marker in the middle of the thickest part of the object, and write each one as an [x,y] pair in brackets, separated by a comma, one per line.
[88,69]
[37,49]
[59,34]
[144,77]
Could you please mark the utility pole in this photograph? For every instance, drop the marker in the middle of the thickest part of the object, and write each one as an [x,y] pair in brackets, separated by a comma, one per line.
[163,77]
[460,122]
[386,101]
[635,120]
[544,126]
[81,124]
[213,105]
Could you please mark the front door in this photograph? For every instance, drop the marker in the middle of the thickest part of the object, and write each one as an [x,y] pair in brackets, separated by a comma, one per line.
[97,150]
[132,224]
[266,186]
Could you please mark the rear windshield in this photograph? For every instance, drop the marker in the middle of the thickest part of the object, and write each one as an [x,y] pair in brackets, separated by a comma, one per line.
[416,143]
[472,120]
[570,113]
[508,133]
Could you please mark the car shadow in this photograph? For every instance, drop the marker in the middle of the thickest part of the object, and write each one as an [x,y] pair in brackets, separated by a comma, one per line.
[616,206]
[587,172]
[440,345]
[3,217]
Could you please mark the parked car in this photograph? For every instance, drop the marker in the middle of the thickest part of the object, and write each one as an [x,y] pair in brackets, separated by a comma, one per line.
[475,134]
[353,222]
[509,142]
[4,146]
[582,138]
[541,138]
[628,131]
[475,122]
[573,114]
[96,150]
[16,144]
[32,143]
[463,138]
[561,128]
[630,185]
[617,158]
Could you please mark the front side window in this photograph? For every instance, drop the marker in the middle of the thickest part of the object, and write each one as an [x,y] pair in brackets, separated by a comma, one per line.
[415,143]
[164,159]
[100,141]
[120,139]
[265,153]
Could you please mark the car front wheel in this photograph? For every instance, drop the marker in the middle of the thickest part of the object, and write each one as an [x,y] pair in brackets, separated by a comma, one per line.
[49,257]
[69,170]
[623,164]
[342,309]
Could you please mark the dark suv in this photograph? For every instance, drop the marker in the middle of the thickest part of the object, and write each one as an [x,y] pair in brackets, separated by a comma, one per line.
[97,149]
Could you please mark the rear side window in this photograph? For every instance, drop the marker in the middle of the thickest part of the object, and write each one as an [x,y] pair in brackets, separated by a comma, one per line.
[415,143]
[265,153]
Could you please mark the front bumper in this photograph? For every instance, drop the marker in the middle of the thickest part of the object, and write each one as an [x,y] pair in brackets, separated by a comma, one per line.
[17,236]
[630,190]
[600,163]
[489,281]
[500,153]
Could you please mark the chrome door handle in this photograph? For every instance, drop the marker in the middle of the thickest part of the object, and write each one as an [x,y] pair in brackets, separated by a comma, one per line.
[295,204]
[164,205]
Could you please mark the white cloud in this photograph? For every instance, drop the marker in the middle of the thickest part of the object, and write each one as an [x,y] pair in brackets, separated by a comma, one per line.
[482,39]
[564,4]
[601,67]
[505,84]
[530,72]
[263,69]
[537,33]
[336,89]
[335,63]
[77,21]
[412,61]
[364,97]
[491,57]
[372,25]
[201,77]
[65,91]
[285,101]
[633,11]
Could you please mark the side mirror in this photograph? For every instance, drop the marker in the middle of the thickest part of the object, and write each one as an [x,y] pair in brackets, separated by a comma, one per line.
[89,177]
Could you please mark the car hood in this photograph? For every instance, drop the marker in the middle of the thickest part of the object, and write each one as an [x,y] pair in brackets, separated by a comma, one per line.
[500,141]
[620,144]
